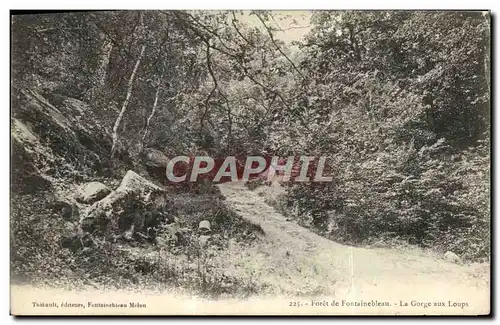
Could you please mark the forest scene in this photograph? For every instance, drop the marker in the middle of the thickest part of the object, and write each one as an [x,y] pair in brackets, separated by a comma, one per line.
[398,102]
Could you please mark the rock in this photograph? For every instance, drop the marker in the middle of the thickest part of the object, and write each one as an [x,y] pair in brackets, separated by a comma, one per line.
[204,226]
[92,192]
[80,142]
[452,257]
[155,158]
[156,164]
[124,208]
[26,155]
[132,182]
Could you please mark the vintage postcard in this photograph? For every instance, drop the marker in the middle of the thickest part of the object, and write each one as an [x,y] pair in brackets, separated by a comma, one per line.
[170,162]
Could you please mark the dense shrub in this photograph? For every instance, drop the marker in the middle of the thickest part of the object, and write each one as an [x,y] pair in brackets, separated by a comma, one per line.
[431,198]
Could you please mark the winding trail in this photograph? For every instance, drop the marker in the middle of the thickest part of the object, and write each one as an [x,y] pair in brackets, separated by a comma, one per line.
[293,269]
[295,261]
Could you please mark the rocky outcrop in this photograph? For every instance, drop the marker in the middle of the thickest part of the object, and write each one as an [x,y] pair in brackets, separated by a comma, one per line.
[452,257]
[124,210]
[56,139]
[30,160]
[92,192]
[155,158]
[155,162]
[57,142]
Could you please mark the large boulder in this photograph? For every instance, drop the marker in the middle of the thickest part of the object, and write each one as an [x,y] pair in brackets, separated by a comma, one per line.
[452,257]
[125,208]
[155,158]
[92,192]
[28,158]
[64,136]
[156,163]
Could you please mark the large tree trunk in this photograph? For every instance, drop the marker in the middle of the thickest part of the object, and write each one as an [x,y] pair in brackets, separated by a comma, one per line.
[153,111]
[125,103]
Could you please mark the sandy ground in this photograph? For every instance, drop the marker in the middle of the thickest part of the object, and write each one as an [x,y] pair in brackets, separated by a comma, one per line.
[298,273]
[297,262]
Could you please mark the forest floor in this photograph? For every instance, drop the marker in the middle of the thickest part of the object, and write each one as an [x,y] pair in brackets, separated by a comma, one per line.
[294,260]
[287,268]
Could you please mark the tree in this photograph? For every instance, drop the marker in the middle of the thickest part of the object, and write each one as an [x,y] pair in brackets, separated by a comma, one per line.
[126,102]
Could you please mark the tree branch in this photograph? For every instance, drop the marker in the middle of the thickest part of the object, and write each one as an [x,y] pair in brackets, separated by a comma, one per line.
[153,110]
[277,46]
[125,102]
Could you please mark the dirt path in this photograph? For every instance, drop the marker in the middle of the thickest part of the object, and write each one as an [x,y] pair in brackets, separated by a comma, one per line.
[290,269]
[295,261]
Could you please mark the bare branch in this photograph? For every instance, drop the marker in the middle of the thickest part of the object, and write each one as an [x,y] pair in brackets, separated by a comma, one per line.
[153,110]
[233,22]
[277,46]
[126,101]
